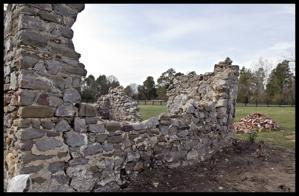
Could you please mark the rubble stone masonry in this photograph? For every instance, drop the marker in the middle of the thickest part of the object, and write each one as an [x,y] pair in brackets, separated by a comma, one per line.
[64,144]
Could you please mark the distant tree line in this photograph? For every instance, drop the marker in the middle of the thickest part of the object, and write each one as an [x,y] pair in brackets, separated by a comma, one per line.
[260,85]
[266,86]
[93,88]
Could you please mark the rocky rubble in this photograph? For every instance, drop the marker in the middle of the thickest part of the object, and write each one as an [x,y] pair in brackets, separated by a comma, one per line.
[253,122]
[116,105]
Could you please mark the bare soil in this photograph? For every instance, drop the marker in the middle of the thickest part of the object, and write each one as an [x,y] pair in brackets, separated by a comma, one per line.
[243,167]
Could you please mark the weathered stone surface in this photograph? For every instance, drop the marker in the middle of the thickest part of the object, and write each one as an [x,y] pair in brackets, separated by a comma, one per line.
[116,105]
[13,81]
[31,169]
[92,149]
[28,80]
[101,138]
[96,128]
[47,144]
[115,139]
[79,125]
[74,139]
[107,147]
[27,157]
[71,96]
[43,99]
[36,112]
[87,110]
[54,101]
[26,97]
[56,166]
[183,133]
[28,61]
[53,67]
[90,120]
[62,126]
[192,155]
[65,110]
[112,125]
[31,133]
[32,38]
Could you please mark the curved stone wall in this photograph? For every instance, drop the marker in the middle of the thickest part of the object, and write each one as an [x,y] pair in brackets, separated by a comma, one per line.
[64,144]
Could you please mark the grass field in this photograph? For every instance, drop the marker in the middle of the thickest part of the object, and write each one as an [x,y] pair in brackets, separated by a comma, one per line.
[284,116]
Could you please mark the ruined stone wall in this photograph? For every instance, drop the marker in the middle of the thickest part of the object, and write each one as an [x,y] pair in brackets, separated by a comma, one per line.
[64,144]
[116,105]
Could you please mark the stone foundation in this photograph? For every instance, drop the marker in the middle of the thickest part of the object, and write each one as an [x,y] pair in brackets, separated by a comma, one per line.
[64,144]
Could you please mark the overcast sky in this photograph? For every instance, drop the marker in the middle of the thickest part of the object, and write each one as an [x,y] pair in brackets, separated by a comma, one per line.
[132,42]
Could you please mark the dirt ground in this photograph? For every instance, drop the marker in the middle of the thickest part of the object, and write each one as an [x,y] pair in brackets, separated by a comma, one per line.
[243,167]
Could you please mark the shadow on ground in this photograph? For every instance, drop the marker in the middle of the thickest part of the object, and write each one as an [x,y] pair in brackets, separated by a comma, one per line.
[243,167]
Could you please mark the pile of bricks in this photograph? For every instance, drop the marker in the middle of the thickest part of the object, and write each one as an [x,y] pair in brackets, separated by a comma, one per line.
[255,121]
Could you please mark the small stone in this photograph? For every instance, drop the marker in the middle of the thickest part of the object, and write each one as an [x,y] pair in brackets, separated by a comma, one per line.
[112,125]
[183,133]
[56,166]
[107,147]
[62,126]
[92,149]
[54,101]
[192,155]
[26,97]
[115,139]
[31,169]
[47,144]
[101,138]
[71,96]
[43,99]
[53,67]
[31,133]
[74,139]
[97,128]
[87,110]
[65,110]
[79,125]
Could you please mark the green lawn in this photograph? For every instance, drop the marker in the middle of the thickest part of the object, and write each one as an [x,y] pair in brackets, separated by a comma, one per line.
[284,116]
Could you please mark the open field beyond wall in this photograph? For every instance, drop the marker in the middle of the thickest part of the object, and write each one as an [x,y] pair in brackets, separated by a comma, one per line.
[284,116]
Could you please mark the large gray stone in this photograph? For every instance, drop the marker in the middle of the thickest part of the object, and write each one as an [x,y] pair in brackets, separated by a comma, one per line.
[79,125]
[74,139]
[32,38]
[71,96]
[92,149]
[53,67]
[48,144]
[65,110]
[28,61]
[55,101]
[26,97]
[56,166]
[28,80]
[36,112]
[62,126]
[112,125]
[96,128]
[87,110]
[27,157]
[31,169]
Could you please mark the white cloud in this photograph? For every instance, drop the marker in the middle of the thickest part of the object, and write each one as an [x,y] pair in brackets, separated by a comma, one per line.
[105,38]
[283,45]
